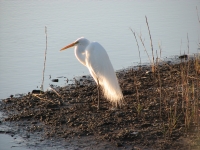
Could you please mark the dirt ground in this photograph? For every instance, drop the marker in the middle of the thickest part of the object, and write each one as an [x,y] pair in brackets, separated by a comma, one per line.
[159,111]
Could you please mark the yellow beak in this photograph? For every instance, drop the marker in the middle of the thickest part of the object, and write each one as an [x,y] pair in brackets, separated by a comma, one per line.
[68,46]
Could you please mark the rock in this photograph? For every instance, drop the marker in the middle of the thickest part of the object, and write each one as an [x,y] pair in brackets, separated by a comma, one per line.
[183,57]
[37,92]
[54,80]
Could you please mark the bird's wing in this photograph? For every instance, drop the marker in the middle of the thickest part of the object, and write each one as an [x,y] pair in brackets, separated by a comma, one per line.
[100,67]
[97,60]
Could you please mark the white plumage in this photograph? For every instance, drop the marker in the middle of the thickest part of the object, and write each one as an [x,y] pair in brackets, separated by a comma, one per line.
[95,58]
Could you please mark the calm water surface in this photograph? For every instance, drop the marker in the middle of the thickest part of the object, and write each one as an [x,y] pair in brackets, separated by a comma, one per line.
[22,37]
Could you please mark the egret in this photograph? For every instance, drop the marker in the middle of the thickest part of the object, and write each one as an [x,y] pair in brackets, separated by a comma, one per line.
[95,58]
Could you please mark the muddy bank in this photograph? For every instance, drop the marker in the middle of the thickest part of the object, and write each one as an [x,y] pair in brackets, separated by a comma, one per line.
[161,110]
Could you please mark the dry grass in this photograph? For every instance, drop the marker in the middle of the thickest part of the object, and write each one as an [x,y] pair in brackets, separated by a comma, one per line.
[185,94]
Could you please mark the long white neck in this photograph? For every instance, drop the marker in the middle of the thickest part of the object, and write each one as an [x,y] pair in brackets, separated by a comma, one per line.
[80,52]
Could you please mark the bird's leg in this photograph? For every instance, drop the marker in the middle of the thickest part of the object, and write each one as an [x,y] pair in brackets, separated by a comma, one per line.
[98,107]
[117,106]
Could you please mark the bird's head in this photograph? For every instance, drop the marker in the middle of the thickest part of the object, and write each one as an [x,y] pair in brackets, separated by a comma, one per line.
[79,42]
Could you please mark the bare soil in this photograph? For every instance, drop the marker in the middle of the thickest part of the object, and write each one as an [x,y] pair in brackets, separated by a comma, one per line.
[155,113]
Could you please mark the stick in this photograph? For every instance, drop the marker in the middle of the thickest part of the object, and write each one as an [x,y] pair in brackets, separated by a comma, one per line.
[150,40]
[198,14]
[137,44]
[41,88]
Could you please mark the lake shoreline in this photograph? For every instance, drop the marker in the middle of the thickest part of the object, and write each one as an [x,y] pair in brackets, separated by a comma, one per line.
[161,110]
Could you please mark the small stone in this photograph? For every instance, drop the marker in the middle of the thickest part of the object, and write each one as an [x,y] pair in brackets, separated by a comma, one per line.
[54,80]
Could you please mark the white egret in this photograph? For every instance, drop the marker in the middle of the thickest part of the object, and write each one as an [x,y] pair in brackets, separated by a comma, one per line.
[95,58]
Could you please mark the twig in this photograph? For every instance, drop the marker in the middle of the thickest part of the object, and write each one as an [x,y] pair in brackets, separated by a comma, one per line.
[160,48]
[193,78]
[140,37]
[159,79]
[181,47]
[137,44]
[198,14]
[56,92]
[188,44]
[41,88]
[150,39]
[36,95]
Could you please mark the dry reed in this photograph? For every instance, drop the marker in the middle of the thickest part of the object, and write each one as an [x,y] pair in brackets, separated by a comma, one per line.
[42,85]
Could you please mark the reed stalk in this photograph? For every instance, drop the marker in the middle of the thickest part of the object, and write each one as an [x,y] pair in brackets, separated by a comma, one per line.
[42,85]
[160,85]
[142,41]
[137,45]
[198,14]
[153,65]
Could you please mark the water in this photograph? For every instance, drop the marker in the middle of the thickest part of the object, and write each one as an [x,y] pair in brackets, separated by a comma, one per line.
[8,142]
[15,143]
[22,37]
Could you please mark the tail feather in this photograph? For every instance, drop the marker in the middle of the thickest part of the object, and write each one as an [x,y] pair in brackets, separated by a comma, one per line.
[111,89]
